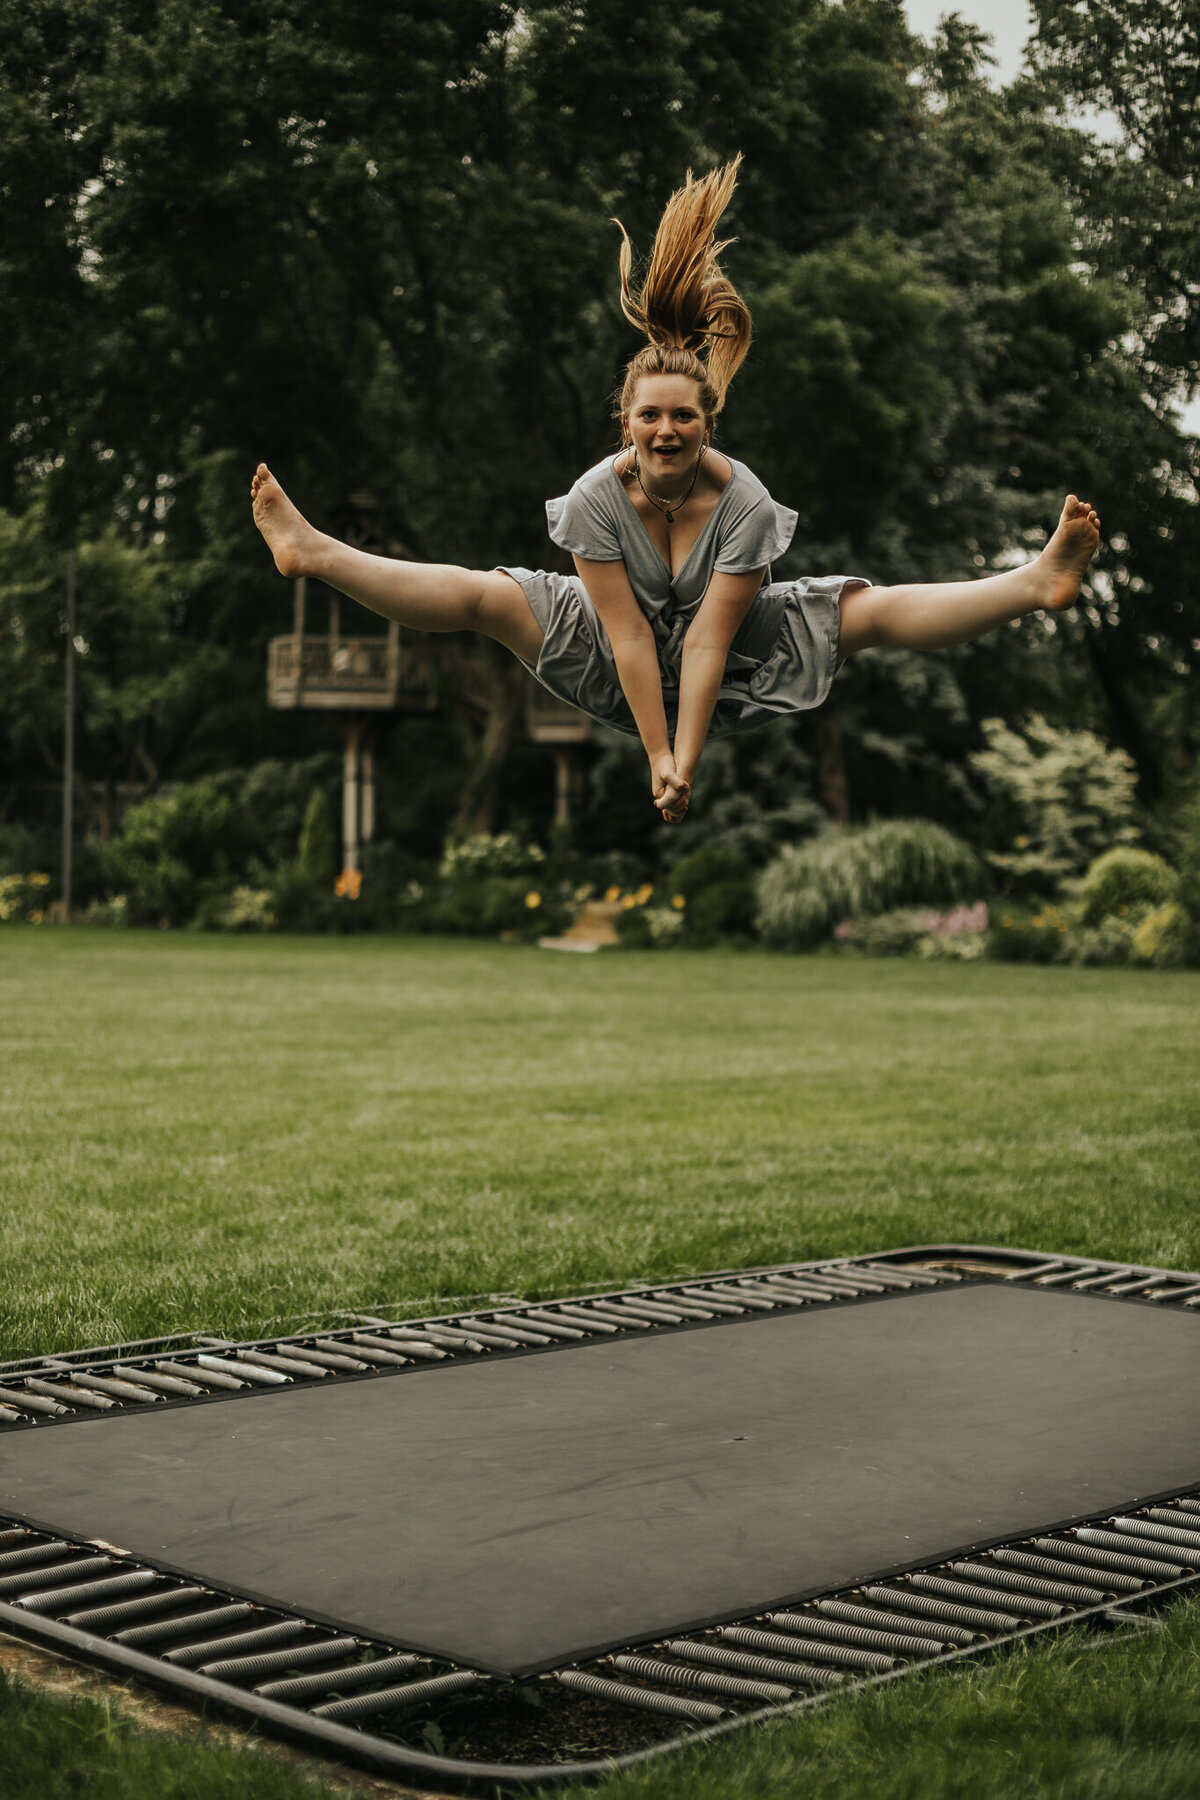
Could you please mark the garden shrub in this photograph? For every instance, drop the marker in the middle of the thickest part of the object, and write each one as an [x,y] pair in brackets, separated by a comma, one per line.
[859,874]
[719,894]
[1065,797]
[1108,945]
[1034,933]
[317,851]
[23,898]
[1163,937]
[173,852]
[1122,880]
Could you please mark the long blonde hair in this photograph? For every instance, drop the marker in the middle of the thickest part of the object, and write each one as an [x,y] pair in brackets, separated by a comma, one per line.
[686,303]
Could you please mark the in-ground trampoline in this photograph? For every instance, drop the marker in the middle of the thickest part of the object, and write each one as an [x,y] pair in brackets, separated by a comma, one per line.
[609,1523]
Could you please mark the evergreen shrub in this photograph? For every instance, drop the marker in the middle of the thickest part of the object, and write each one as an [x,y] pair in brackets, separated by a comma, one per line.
[1123,880]
[1038,932]
[860,873]
[719,895]
[173,853]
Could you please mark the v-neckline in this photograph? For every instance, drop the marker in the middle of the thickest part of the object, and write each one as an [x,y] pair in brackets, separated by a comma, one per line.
[674,574]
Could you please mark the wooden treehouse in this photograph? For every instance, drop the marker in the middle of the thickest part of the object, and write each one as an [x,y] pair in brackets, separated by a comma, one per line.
[370,673]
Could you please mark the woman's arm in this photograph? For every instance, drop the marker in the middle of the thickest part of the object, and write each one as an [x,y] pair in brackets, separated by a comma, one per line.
[636,657]
[705,648]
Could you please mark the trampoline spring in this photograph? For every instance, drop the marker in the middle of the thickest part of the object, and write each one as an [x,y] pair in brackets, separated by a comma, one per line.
[102,1619]
[16,1534]
[741,1297]
[115,1588]
[424,1339]
[305,1687]
[230,1365]
[1191,1506]
[1170,1536]
[1184,1521]
[53,1575]
[69,1394]
[36,1553]
[1168,1567]
[697,1296]
[991,1623]
[744,1637]
[861,1280]
[840,1285]
[1101,1586]
[555,1327]
[1036,1271]
[391,1358]
[904,1271]
[1066,1277]
[266,1637]
[139,1637]
[1108,1560]
[608,1309]
[674,1706]
[804,1625]
[690,1309]
[1105,1279]
[32,1402]
[1142,1284]
[287,1365]
[703,1681]
[793,1295]
[480,1339]
[123,1390]
[657,1312]
[1189,1293]
[739,1662]
[889,1277]
[397,1699]
[937,1636]
[587,1321]
[253,1668]
[153,1378]
[207,1378]
[976,1594]
[1037,1586]
[512,1334]
[8,1416]
[333,1355]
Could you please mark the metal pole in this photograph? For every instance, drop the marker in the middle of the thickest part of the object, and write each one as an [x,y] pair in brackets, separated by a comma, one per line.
[68,812]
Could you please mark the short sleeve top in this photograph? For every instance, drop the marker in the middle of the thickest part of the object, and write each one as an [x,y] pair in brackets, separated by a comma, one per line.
[745,530]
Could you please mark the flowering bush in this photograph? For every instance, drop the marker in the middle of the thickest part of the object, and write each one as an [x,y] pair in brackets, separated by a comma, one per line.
[484,854]
[1124,880]
[23,897]
[112,911]
[1065,797]
[247,909]
[859,874]
[1030,934]
[1163,937]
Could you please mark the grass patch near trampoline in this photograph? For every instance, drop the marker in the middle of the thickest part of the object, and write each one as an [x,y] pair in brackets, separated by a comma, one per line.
[225,1133]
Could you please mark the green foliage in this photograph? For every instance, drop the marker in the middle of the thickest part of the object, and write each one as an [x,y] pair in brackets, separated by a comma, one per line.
[719,891]
[1122,880]
[1064,796]
[862,872]
[1037,932]
[317,851]
[23,897]
[1165,937]
[173,852]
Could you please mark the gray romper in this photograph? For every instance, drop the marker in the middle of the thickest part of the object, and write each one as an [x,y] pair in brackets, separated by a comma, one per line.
[785,654]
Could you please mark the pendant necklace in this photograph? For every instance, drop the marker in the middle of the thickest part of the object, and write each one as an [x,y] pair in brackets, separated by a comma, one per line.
[667,509]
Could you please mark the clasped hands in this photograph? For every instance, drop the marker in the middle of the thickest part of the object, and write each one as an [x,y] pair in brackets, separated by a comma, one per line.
[671,790]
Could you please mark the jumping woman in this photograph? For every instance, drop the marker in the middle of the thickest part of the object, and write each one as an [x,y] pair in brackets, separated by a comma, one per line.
[671,627]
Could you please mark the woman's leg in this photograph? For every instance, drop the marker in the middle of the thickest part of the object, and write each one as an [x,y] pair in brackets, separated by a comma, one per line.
[931,615]
[427,596]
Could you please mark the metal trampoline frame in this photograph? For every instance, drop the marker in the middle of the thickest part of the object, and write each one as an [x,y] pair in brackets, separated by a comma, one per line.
[146,1623]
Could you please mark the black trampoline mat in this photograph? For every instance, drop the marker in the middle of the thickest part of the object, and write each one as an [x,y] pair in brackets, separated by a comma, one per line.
[516,1514]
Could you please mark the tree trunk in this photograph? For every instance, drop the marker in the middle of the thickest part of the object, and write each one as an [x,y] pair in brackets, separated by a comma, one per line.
[832,783]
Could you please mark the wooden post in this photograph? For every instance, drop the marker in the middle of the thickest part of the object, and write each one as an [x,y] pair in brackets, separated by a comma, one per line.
[350,795]
[299,596]
[68,799]
[562,786]
[368,796]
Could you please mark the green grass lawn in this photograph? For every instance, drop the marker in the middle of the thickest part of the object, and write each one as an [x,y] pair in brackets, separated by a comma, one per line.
[226,1133]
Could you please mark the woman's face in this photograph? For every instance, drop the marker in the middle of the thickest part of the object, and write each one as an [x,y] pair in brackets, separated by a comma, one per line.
[667,425]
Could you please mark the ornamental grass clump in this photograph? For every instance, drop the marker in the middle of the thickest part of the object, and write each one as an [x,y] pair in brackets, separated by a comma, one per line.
[860,873]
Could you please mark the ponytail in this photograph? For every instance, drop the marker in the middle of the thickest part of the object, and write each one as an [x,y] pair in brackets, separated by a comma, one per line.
[686,304]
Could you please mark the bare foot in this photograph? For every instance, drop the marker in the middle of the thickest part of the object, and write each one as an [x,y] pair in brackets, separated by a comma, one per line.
[1060,568]
[291,540]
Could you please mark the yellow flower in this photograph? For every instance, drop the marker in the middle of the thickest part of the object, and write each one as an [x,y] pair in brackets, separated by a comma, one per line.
[644,892]
[678,902]
[628,900]
[1022,843]
[39,881]
[348,885]
[1122,910]
[611,896]
[1007,924]
[532,900]
[1038,922]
